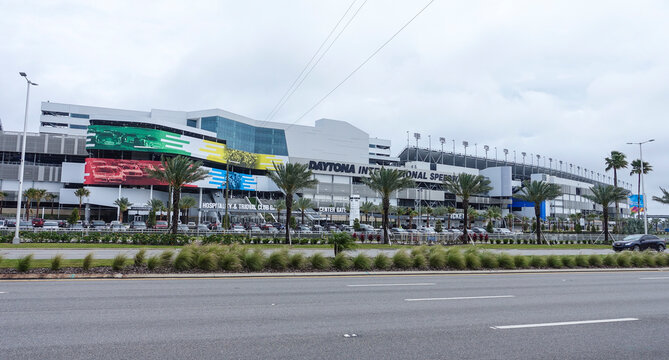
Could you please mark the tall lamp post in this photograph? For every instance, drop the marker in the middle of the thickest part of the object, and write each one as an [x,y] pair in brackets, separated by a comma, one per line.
[442,140]
[465,144]
[17,239]
[226,221]
[417,136]
[486,148]
[643,189]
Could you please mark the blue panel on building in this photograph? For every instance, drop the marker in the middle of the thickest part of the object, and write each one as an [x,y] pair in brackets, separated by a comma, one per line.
[525,204]
[245,137]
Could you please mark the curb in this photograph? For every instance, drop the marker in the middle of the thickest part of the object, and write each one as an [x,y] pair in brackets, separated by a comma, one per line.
[314,274]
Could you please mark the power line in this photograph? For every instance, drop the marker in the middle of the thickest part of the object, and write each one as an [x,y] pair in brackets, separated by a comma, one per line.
[319,59]
[275,108]
[362,64]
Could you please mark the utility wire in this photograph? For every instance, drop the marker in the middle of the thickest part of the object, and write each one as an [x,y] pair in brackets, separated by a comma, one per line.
[277,106]
[361,65]
[319,58]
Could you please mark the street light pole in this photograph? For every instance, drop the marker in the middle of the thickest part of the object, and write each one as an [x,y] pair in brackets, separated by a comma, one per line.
[643,189]
[226,220]
[17,239]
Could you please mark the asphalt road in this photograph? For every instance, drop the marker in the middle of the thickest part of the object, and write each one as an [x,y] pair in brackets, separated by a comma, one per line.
[111,253]
[510,316]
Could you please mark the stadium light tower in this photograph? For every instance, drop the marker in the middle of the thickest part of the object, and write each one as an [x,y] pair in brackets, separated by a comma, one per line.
[453,140]
[550,165]
[538,159]
[524,154]
[465,144]
[442,140]
[486,148]
[476,155]
[417,136]
[506,152]
[643,189]
[17,239]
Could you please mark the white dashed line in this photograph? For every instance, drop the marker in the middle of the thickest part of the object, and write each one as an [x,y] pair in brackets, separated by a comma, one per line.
[375,285]
[655,278]
[463,298]
[562,323]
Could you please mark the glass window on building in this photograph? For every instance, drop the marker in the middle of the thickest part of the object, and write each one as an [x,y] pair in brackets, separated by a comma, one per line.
[80,127]
[191,123]
[79,116]
[209,124]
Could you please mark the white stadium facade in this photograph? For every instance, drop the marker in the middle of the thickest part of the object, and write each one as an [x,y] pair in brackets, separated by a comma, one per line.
[108,151]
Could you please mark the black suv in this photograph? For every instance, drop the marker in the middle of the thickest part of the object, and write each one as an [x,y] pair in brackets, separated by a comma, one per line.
[640,242]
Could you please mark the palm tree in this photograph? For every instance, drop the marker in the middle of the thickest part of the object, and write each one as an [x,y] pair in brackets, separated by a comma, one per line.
[155,204]
[123,205]
[3,195]
[493,213]
[280,205]
[82,193]
[428,211]
[412,213]
[472,214]
[450,210]
[185,203]
[385,182]
[466,185]
[366,208]
[291,178]
[636,169]
[538,192]
[400,211]
[30,195]
[663,199]
[616,161]
[177,172]
[39,195]
[604,195]
[509,220]
[303,204]
[50,197]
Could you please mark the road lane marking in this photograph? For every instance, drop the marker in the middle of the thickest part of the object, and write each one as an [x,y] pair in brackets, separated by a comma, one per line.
[564,323]
[463,298]
[408,284]
[655,278]
[3,292]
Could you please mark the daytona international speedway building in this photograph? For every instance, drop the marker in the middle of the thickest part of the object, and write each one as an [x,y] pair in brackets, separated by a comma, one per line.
[108,151]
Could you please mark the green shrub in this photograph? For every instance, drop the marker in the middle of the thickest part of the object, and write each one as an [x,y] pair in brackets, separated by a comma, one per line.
[624,260]
[506,261]
[229,261]
[278,260]
[184,259]
[638,260]
[341,262]
[140,256]
[341,241]
[473,261]
[153,262]
[297,261]
[422,250]
[88,261]
[553,261]
[521,261]
[402,260]
[206,261]
[118,263]
[382,261]
[24,263]
[419,261]
[582,261]
[595,260]
[166,257]
[488,260]
[455,260]
[661,260]
[362,262]
[319,262]
[437,260]
[57,262]
[568,261]
[254,261]
[610,260]
[650,259]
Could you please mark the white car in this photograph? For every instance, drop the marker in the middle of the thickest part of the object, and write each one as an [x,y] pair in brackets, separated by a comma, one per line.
[50,225]
[238,229]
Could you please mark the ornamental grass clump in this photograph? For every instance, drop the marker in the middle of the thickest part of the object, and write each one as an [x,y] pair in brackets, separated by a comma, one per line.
[638,260]
[421,250]
[319,262]
[87,262]
[402,260]
[595,260]
[153,262]
[488,260]
[140,257]
[254,261]
[206,261]
[553,262]
[662,260]
[582,261]
[538,262]
[419,261]
[118,263]
[505,261]
[568,261]
[297,261]
[610,260]
[57,262]
[382,261]
[229,261]
[184,259]
[473,261]
[650,259]
[341,262]
[362,262]
[624,260]
[455,260]
[521,261]
[437,260]
[24,263]
[166,257]
[278,260]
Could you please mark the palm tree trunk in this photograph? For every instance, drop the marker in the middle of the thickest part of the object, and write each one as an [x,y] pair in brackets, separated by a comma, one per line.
[51,208]
[302,210]
[428,220]
[537,216]
[80,210]
[606,224]
[449,221]
[615,183]
[289,210]
[638,198]
[175,210]
[384,221]
[465,206]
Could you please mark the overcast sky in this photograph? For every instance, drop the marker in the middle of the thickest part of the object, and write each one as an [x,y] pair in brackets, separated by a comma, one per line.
[571,80]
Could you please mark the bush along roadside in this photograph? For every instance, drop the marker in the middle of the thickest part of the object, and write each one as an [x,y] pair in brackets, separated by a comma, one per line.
[234,258]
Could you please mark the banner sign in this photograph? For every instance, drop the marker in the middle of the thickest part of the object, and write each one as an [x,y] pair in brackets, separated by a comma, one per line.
[107,137]
[231,206]
[636,203]
[365,170]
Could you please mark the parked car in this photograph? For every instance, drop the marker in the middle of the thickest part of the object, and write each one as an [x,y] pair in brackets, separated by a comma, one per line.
[191,225]
[117,227]
[50,225]
[138,225]
[98,224]
[3,224]
[640,242]
[479,230]
[255,228]
[161,224]
[304,229]
[238,229]
[76,226]
[202,228]
[398,231]
[182,228]
[38,222]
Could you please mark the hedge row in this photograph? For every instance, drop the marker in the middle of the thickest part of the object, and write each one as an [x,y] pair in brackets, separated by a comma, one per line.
[239,259]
